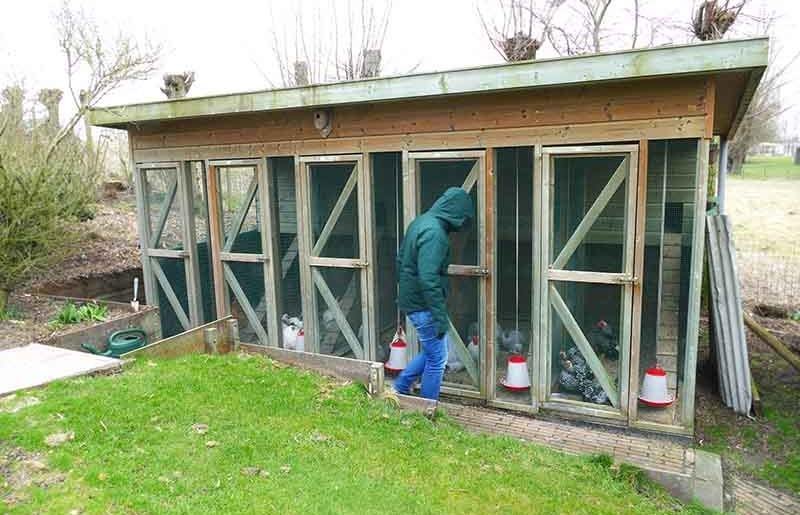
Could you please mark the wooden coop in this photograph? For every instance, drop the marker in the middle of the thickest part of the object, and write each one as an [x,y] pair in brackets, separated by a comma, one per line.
[589,175]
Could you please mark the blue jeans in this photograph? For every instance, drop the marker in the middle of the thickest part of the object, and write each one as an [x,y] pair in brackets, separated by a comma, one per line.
[429,363]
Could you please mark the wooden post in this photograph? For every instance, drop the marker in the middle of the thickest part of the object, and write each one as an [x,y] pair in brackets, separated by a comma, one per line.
[191,261]
[268,202]
[215,240]
[369,301]
[489,304]
[638,272]
[210,337]
[695,285]
[307,289]
[142,221]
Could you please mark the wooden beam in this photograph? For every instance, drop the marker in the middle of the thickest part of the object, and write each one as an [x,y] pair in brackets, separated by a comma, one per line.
[191,260]
[244,303]
[341,319]
[662,61]
[679,127]
[638,271]
[170,293]
[710,101]
[215,240]
[336,211]
[168,253]
[472,178]
[163,212]
[270,242]
[592,214]
[577,276]
[243,257]
[489,307]
[574,330]
[242,213]
[463,355]
[695,286]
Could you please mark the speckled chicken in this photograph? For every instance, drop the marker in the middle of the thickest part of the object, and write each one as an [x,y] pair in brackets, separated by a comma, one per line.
[576,376]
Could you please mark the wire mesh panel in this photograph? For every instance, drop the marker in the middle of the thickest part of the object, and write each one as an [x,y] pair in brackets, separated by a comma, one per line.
[337,232]
[164,209]
[247,241]
[432,174]
[589,208]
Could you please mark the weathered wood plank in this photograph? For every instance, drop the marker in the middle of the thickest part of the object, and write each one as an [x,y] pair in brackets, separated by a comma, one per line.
[657,62]
[662,128]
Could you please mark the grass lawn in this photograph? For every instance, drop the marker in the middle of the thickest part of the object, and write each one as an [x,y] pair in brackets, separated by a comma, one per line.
[770,167]
[279,441]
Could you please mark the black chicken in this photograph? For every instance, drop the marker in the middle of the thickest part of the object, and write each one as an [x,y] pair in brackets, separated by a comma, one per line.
[603,340]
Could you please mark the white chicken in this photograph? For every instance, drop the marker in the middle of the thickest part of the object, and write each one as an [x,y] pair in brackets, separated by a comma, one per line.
[293,338]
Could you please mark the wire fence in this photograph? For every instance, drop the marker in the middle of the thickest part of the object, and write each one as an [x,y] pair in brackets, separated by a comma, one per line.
[770,277]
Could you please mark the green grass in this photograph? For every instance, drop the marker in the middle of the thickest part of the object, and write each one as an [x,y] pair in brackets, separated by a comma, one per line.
[769,167]
[324,449]
[767,448]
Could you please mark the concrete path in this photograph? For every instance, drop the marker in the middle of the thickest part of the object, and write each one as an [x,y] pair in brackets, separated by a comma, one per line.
[36,365]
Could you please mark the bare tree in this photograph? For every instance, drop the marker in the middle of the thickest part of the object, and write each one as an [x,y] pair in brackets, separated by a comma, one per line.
[587,35]
[98,63]
[712,19]
[523,27]
[336,41]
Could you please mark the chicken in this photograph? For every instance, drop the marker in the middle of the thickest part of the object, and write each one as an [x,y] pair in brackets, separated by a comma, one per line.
[603,340]
[512,341]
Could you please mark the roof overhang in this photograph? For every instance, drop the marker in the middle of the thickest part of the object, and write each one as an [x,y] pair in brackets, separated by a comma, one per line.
[707,58]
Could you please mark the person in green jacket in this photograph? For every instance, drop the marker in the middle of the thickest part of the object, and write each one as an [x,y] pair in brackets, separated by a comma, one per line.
[422,279]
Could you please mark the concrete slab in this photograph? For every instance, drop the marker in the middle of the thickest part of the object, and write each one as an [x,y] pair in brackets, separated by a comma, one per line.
[36,365]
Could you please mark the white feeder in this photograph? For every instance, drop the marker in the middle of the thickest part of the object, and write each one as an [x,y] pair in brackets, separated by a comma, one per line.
[654,391]
[398,355]
[517,378]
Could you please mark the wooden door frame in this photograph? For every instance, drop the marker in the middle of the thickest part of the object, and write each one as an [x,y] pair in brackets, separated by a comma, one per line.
[153,275]
[363,264]
[267,205]
[481,270]
[627,279]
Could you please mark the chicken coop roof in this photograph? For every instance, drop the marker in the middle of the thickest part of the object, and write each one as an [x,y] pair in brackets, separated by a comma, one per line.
[744,61]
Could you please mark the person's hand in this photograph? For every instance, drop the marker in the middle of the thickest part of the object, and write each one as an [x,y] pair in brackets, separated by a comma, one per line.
[440,336]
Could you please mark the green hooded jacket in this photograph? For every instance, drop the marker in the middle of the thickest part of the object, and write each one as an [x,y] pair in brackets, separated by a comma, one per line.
[425,254]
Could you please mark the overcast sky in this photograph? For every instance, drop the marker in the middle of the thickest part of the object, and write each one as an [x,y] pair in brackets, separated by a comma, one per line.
[229,45]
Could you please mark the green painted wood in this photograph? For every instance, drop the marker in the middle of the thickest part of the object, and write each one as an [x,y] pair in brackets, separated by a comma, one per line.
[463,354]
[242,214]
[592,214]
[583,345]
[472,178]
[341,319]
[170,293]
[706,57]
[244,303]
[163,214]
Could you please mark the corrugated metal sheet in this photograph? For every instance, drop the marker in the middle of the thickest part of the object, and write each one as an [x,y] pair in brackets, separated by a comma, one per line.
[729,336]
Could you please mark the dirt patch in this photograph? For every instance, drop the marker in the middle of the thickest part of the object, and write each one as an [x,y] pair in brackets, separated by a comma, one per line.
[110,245]
[19,470]
[31,317]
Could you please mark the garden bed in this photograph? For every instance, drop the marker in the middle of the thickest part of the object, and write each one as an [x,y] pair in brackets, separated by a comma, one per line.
[31,318]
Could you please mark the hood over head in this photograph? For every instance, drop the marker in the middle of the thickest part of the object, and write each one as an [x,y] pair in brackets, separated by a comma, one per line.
[455,208]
